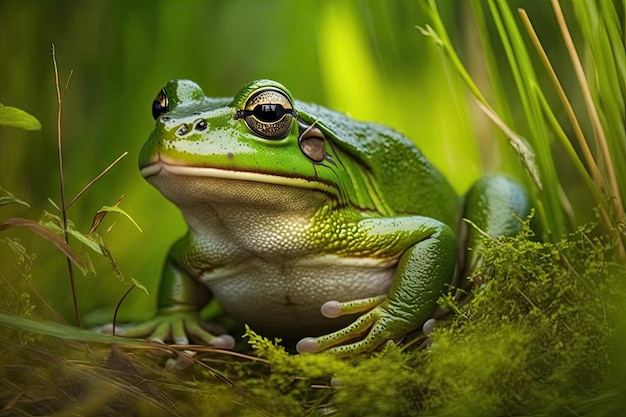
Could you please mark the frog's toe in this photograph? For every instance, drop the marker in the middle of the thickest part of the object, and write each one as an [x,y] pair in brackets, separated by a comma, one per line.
[333,309]
[178,329]
[429,326]
[126,330]
[195,330]
[161,332]
[104,329]
[308,345]
[224,341]
[179,335]
[374,339]
[333,342]
[368,324]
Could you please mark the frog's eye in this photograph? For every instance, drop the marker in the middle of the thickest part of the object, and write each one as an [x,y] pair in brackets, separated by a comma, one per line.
[160,104]
[311,142]
[268,113]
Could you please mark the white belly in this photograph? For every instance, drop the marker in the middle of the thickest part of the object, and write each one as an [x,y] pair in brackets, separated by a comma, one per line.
[285,299]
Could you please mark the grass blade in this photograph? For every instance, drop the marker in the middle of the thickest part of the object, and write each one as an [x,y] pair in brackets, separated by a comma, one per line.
[46,234]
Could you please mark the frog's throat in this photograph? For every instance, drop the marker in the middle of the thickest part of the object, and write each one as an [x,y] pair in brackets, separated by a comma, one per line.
[221,173]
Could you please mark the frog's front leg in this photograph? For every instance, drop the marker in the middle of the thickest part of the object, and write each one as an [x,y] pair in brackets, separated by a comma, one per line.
[180,298]
[425,267]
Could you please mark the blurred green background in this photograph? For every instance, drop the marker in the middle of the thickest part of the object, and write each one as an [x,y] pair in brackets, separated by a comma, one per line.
[365,58]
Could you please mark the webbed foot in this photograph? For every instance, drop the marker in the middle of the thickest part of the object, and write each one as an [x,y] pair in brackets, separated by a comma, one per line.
[178,328]
[380,323]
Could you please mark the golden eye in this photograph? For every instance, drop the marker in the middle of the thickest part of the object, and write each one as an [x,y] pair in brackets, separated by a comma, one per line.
[160,104]
[268,113]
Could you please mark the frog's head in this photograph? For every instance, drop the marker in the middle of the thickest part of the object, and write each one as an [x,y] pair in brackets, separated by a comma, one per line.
[255,137]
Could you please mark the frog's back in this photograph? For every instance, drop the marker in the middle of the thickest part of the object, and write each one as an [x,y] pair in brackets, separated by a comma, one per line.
[406,180]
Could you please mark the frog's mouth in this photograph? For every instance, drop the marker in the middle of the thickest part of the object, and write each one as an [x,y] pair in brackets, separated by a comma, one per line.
[163,165]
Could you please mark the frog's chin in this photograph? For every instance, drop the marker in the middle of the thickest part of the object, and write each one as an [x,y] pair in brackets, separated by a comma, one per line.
[161,166]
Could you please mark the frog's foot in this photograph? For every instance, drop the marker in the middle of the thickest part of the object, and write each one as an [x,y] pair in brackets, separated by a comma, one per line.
[178,328]
[380,323]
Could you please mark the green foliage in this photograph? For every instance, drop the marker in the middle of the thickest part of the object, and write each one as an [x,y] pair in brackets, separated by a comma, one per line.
[14,117]
[116,209]
[596,127]
[535,339]
[46,233]
[51,228]
[57,229]
[7,198]
[24,259]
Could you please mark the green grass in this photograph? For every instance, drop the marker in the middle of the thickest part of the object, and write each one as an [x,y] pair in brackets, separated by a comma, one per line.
[536,339]
[598,152]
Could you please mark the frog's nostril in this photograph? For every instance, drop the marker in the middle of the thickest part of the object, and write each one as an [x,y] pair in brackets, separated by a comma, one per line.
[201,125]
[182,130]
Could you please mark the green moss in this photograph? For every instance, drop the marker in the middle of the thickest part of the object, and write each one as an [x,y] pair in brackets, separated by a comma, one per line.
[534,338]
[537,338]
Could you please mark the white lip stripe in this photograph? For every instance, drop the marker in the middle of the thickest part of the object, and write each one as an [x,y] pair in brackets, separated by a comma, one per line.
[191,171]
[150,170]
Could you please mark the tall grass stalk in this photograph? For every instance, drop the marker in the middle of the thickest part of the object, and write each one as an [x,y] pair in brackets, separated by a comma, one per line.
[62,180]
[598,153]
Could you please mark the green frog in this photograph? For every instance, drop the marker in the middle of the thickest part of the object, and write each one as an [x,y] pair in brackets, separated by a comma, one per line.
[304,223]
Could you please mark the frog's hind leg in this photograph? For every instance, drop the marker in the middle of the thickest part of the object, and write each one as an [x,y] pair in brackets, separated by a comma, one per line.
[494,204]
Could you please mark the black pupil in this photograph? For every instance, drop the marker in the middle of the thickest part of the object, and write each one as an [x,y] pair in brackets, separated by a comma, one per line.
[157,109]
[269,112]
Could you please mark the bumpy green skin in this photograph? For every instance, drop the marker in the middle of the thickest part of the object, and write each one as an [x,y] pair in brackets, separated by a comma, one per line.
[345,253]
